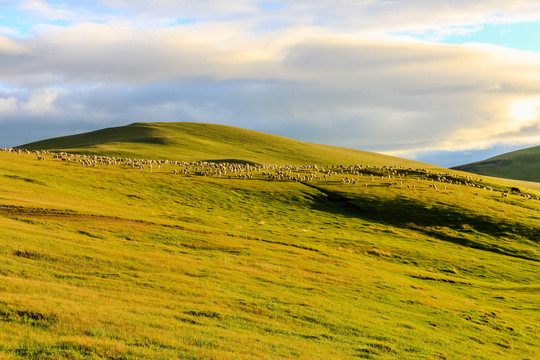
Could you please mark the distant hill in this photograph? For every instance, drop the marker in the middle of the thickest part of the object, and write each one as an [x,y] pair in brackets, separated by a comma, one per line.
[198,141]
[520,165]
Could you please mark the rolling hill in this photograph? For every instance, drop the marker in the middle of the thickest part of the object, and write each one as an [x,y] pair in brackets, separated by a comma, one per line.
[519,165]
[376,258]
[207,142]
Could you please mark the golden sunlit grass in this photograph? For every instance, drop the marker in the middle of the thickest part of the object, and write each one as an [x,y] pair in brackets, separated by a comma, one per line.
[206,142]
[119,263]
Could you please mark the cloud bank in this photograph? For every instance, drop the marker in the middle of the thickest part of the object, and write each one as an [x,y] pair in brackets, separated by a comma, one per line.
[320,71]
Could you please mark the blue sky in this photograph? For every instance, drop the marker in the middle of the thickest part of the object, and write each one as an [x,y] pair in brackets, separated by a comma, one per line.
[438,81]
[522,35]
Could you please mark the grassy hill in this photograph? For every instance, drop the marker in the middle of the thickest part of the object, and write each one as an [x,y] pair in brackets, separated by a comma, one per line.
[520,165]
[206,142]
[122,261]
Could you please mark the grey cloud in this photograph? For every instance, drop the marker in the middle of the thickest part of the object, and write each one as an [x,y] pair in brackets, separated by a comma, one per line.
[87,58]
[383,96]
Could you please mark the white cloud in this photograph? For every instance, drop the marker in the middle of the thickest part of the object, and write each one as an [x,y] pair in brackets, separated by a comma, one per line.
[8,105]
[181,8]
[525,111]
[11,47]
[44,10]
[435,18]
[9,32]
[41,102]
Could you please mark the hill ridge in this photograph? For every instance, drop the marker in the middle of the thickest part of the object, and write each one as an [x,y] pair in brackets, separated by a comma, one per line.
[189,141]
[521,164]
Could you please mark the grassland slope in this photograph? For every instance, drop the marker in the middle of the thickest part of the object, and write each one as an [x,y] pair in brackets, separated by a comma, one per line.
[208,142]
[106,260]
[519,165]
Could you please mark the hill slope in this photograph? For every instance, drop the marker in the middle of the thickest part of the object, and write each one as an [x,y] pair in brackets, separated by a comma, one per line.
[106,260]
[519,165]
[203,142]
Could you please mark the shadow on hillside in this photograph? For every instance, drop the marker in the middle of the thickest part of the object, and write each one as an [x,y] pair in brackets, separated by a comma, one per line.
[134,133]
[482,164]
[429,219]
[230,161]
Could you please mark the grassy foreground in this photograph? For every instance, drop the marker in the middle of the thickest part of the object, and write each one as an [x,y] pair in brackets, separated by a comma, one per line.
[121,263]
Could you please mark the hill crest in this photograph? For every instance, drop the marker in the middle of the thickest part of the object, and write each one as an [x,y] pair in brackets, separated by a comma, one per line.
[189,141]
[519,165]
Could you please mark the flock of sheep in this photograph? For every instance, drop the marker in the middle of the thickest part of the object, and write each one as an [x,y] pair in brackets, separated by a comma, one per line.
[352,174]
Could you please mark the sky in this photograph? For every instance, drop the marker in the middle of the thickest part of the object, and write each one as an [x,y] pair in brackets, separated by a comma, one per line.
[445,82]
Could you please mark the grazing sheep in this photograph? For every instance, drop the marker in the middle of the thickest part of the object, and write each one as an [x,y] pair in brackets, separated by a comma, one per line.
[347,174]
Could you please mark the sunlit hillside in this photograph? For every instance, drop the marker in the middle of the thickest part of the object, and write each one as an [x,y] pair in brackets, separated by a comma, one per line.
[375,258]
[208,142]
[520,165]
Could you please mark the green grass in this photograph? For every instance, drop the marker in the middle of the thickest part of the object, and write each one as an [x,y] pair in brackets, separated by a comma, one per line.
[208,142]
[519,165]
[118,263]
